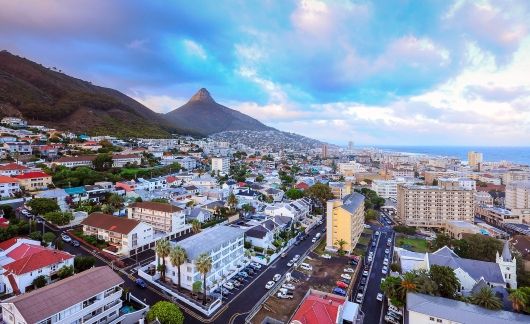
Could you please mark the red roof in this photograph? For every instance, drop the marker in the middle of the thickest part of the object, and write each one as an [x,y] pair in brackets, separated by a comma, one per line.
[5,179]
[171,179]
[31,175]
[302,185]
[8,243]
[12,166]
[33,258]
[4,222]
[318,310]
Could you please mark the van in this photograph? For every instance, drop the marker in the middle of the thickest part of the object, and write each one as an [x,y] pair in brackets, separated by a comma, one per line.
[306,266]
[318,235]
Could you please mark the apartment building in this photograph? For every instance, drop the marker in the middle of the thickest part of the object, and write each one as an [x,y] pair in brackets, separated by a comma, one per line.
[14,122]
[12,169]
[465,183]
[349,169]
[474,159]
[122,234]
[511,176]
[340,189]
[75,161]
[18,147]
[221,165]
[498,216]
[9,187]
[345,220]
[517,195]
[224,244]
[433,206]
[120,160]
[483,198]
[162,217]
[34,180]
[388,188]
[92,296]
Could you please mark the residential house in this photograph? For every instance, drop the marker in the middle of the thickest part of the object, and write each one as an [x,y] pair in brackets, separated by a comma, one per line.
[18,147]
[200,214]
[34,180]
[75,161]
[121,160]
[263,235]
[161,217]
[61,196]
[124,235]
[12,169]
[14,122]
[320,307]
[9,187]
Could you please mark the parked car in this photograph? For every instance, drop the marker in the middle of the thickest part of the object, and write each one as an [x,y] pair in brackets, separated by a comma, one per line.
[75,243]
[326,256]
[288,286]
[384,270]
[359,298]
[296,257]
[284,296]
[345,276]
[277,277]
[66,238]
[270,284]
[341,284]
[370,258]
[366,226]
[376,233]
[351,270]
[290,263]
[306,267]
[346,281]
[387,251]
[379,297]
[385,261]
[243,274]
[239,279]
[284,254]
[314,240]
[365,273]
[235,282]
[392,320]
[228,285]
[363,280]
[255,265]
[339,291]
[394,315]
[140,283]
[353,263]
[395,309]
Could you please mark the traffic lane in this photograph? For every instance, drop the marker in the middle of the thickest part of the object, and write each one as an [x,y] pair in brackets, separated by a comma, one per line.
[371,306]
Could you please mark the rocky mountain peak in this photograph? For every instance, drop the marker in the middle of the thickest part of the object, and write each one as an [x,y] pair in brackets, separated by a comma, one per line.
[202,96]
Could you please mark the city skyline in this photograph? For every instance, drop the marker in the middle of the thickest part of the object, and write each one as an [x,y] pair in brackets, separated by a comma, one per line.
[442,73]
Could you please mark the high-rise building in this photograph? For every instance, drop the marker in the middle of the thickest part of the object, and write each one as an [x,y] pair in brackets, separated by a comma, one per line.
[350,145]
[324,151]
[474,159]
[221,165]
[433,206]
[345,219]
[517,195]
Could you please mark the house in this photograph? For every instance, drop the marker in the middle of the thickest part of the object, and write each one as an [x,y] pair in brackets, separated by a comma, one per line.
[262,235]
[92,296]
[124,235]
[12,169]
[276,194]
[35,180]
[121,160]
[200,214]
[77,194]
[96,193]
[75,161]
[61,196]
[296,210]
[224,244]
[48,151]
[246,195]
[205,180]
[320,307]
[18,147]
[501,273]
[14,122]
[9,187]
[161,217]
[426,309]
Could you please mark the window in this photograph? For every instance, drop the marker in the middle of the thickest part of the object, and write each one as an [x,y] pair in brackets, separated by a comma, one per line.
[438,320]
[431,319]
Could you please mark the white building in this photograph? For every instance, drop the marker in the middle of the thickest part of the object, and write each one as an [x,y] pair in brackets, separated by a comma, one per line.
[120,160]
[18,147]
[465,183]
[517,195]
[122,234]
[92,296]
[161,216]
[388,188]
[14,122]
[224,244]
[296,210]
[221,165]
[187,162]
[8,187]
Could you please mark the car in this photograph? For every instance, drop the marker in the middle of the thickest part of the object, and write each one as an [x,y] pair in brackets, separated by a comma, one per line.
[379,297]
[339,291]
[387,251]
[326,256]
[236,283]
[66,238]
[239,279]
[284,254]
[365,273]
[366,226]
[296,257]
[75,243]
[346,281]
[288,286]
[373,243]
[394,315]
[345,276]
[277,277]
[351,270]
[39,221]
[284,296]
[367,267]
[370,258]
[250,271]
[255,265]
[290,263]
[140,283]
[385,261]
[361,287]
[341,284]
[269,284]
[376,233]
[363,280]
[314,240]
[228,285]
[359,298]
[390,319]
[306,266]
[242,274]
[384,270]
[395,309]
[323,230]
[388,244]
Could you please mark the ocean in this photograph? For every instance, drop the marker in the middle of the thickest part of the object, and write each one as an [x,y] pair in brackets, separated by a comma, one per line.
[491,154]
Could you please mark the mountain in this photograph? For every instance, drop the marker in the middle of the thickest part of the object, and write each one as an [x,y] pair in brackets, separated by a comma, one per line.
[203,115]
[46,96]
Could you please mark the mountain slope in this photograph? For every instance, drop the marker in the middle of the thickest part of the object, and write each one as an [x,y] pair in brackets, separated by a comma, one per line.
[203,115]
[46,96]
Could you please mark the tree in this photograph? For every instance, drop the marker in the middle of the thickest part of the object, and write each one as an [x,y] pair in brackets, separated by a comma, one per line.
[39,282]
[408,284]
[37,235]
[177,257]
[260,178]
[445,278]
[195,226]
[82,263]
[486,298]
[390,287]
[59,218]
[370,214]
[166,313]
[320,192]
[102,162]
[232,201]
[41,206]
[162,250]
[341,244]
[520,299]
[48,237]
[424,283]
[478,247]
[65,271]
[441,240]
[247,208]
[115,200]
[196,287]
[405,229]
[395,267]
[204,265]
[294,194]
[160,200]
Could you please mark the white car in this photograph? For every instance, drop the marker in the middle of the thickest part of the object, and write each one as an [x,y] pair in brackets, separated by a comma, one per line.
[379,297]
[370,258]
[255,265]
[290,263]
[351,270]
[387,251]
[296,257]
[314,240]
[345,276]
[228,285]
[385,270]
[306,266]
[385,261]
[277,277]
[270,284]
[395,309]
[359,298]
[365,273]
[66,238]
[326,256]
[284,296]
[366,226]
[288,286]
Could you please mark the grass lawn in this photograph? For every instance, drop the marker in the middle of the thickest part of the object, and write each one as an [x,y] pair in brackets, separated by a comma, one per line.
[320,247]
[416,245]
[358,251]
[368,231]
[364,240]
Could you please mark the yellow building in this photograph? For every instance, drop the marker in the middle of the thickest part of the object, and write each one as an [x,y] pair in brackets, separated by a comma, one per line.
[34,180]
[345,220]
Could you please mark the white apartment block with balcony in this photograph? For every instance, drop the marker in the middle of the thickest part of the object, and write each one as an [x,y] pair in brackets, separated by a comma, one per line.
[388,188]
[518,195]
[224,244]
[221,165]
[163,217]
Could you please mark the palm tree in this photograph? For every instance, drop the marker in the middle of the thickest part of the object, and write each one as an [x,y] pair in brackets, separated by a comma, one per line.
[341,244]
[195,226]
[486,298]
[177,257]
[408,284]
[204,265]
[519,299]
[424,283]
[162,250]
[231,201]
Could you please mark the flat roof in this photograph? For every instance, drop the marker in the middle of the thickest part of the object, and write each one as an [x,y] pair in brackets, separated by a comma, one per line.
[209,239]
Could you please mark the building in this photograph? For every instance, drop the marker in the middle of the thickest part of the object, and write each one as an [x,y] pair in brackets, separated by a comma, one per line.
[345,220]
[349,169]
[467,184]
[224,244]
[457,229]
[511,176]
[483,198]
[221,165]
[18,147]
[474,159]
[340,189]
[388,188]
[517,195]
[426,309]
[325,153]
[122,234]
[497,216]
[75,161]
[9,187]
[12,169]
[14,122]
[433,206]
[121,160]
[92,296]
[320,307]
[161,216]
[35,180]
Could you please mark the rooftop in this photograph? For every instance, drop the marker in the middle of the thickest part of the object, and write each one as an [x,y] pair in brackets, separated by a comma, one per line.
[158,206]
[209,239]
[111,223]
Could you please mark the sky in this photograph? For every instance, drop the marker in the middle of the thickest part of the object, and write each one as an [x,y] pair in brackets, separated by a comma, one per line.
[382,72]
